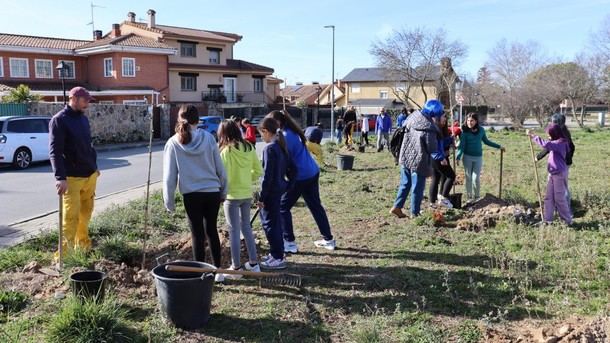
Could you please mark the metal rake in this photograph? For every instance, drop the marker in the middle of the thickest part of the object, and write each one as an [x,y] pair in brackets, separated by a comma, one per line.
[278,279]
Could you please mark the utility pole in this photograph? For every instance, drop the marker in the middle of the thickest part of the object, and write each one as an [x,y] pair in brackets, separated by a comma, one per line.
[332,87]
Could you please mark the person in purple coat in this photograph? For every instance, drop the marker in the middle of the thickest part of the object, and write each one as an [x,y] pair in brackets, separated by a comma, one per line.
[557,186]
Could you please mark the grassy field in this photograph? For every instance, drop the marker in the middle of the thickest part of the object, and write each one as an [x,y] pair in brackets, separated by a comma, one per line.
[390,280]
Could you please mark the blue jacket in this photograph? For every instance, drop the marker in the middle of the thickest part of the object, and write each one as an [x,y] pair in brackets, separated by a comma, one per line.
[306,166]
[383,124]
[400,120]
[275,166]
[70,146]
[443,145]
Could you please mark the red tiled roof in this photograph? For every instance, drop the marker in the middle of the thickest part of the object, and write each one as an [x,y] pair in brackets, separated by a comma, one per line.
[187,32]
[131,40]
[7,39]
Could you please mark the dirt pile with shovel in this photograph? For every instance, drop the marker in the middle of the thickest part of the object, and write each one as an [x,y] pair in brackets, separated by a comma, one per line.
[489,210]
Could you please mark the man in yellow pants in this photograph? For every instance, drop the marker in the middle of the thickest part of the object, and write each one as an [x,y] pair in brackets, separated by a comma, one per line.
[74,163]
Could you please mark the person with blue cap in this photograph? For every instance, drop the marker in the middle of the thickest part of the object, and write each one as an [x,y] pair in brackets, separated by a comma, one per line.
[419,143]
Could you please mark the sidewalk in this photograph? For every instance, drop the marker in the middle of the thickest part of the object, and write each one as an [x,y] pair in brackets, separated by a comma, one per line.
[28,228]
[24,230]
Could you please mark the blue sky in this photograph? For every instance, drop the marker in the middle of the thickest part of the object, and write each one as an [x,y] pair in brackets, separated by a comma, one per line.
[289,36]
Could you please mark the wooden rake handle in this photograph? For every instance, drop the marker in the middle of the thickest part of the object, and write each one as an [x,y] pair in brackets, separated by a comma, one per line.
[174,268]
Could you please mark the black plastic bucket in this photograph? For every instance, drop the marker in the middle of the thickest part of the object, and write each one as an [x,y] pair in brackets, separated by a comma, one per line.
[345,162]
[89,284]
[456,200]
[184,297]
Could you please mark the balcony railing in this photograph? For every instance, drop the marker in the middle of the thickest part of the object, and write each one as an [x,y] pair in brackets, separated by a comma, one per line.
[233,97]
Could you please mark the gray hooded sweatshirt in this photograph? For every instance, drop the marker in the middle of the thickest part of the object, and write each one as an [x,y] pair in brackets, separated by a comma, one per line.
[194,167]
[419,142]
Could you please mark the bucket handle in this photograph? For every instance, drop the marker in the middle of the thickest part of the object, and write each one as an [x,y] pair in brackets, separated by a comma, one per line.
[158,258]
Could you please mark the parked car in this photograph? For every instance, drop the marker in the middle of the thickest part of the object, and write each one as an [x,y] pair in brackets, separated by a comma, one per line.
[210,124]
[23,140]
[372,120]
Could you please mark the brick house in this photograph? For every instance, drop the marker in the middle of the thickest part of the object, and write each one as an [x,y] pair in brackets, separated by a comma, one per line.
[204,68]
[117,68]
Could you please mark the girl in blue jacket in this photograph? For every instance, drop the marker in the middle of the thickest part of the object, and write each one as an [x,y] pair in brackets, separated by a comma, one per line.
[306,185]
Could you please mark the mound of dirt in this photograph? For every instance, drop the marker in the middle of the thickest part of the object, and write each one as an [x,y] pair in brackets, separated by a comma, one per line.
[486,212]
[35,284]
[571,330]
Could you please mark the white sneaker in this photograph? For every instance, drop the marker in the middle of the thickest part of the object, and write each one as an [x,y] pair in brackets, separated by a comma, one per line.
[251,268]
[219,278]
[328,245]
[273,263]
[232,276]
[446,203]
[290,247]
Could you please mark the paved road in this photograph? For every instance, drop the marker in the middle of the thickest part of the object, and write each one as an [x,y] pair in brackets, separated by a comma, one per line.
[28,193]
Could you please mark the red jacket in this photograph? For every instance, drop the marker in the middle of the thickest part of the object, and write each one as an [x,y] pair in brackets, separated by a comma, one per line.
[251,134]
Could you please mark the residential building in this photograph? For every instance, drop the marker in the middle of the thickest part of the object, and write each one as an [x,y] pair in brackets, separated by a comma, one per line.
[370,90]
[116,68]
[204,67]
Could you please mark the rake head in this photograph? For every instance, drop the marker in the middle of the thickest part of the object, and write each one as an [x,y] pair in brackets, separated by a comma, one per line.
[281,280]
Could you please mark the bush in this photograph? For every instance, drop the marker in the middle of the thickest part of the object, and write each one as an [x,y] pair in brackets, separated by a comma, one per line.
[88,321]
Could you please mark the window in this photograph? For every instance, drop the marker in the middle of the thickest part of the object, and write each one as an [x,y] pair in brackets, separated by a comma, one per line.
[129,67]
[27,126]
[383,94]
[44,69]
[19,67]
[355,88]
[134,102]
[1,67]
[188,83]
[258,85]
[69,71]
[214,56]
[107,67]
[106,102]
[188,49]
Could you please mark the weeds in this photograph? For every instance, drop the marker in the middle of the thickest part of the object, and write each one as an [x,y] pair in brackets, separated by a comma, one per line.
[469,332]
[12,301]
[88,321]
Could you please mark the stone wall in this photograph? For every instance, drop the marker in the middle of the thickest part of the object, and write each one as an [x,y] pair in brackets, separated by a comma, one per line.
[113,123]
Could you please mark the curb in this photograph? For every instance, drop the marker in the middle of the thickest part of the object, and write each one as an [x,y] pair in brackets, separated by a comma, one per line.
[107,148]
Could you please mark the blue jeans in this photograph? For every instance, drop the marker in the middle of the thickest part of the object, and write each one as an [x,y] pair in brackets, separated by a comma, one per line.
[272,225]
[472,172]
[338,135]
[310,190]
[410,182]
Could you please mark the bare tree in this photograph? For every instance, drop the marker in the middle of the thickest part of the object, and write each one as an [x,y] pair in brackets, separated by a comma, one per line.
[509,65]
[412,58]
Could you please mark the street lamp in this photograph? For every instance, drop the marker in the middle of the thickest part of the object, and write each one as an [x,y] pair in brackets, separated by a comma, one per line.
[61,68]
[332,85]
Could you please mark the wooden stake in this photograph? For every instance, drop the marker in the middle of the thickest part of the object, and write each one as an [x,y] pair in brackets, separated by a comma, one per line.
[537,179]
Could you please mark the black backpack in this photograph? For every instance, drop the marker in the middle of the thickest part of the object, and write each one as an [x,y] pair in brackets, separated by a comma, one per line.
[396,142]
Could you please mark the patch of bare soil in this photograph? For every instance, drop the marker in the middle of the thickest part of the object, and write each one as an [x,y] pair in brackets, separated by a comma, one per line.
[486,212]
[572,330]
[33,283]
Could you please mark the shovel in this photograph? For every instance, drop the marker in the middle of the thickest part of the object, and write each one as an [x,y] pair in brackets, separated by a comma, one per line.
[536,175]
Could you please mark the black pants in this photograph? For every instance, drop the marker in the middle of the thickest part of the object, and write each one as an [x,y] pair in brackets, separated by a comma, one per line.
[443,176]
[202,211]
[365,135]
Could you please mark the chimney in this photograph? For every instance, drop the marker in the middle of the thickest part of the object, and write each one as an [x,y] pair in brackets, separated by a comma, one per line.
[97,34]
[131,17]
[116,31]
[151,18]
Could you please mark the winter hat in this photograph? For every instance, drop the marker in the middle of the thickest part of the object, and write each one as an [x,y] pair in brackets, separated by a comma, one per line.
[558,119]
[554,131]
[433,108]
